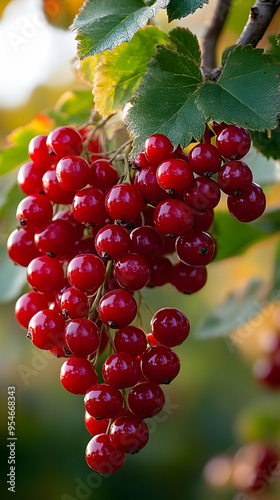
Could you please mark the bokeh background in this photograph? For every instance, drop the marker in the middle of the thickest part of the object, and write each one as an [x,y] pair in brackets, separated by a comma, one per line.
[214,406]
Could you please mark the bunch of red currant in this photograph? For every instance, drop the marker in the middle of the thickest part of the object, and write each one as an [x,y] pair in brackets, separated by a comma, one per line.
[88,259]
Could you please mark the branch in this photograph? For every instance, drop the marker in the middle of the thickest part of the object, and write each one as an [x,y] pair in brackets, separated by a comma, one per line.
[212,34]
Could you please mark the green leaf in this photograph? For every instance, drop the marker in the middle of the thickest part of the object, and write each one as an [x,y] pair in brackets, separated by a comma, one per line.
[276,274]
[165,101]
[226,53]
[73,108]
[236,310]
[121,71]
[182,8]
[274,48]
[267,143]
[104,24]
[247,92]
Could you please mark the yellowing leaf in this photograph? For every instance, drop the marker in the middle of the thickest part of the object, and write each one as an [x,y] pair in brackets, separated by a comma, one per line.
[88,68]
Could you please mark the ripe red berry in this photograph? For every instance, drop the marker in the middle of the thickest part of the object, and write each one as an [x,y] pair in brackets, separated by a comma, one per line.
[129,434]
[146,399]
[102,457]
[77,228]
[64,141]
[77,375]
[170,326]
[132,271]
[29,178]
[39,152]
[174,175]
[103,175]
[235,177]
[72,173]
[188,279]
[54,238]
[29,304]
[195,248]
[117,308]
[53,191]
[95,426]
[74,303]
[86,272]
[45,274]
[34,211]
[173,218]
[46,329]
[112,242]
[121,370]
[146,241]
[140,162]
[157,148]
[103,401]
[161,269]
[202,194]
[130,339]
[82,337]
[146,183]
[21,247]
[233,142]
[205,159]
[160,364]
[203,219]
[89,206]
[249,205]
[123,202]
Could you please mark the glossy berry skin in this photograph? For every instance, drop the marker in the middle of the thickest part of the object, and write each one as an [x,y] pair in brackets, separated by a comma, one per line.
[45,274]
[29,304]
[145,240]
[94,426]
[217,127]
[64,141]
[146,183]
[233,142]
[77,228]
[141,162]
[174,175]
[103,401]
[102,457]
[112,242]
[39,152]
[202,194]
[132,271]
[161,269]
[146,399]
[89,206]
[130,339]
[129,434]
[157,148]
[54,238]
[77,375]
[249,205]
[72,173]
[195,248]
[53,191]
[121,370]
[21,247]
[46,329]
[82,337]
[205,159]
[170,327]
[160,364]
[267,372]
[29,178]
[86,272]
[235,177]
[117,308]
[103,175]
[34,211]
[203,219]
[74,303]
[123,202]
[188,279]
[173,218]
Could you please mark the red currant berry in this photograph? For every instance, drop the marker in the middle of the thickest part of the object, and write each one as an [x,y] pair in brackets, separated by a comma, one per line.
[124,202]
[46,329]
[160,364]
[39,152]
[86,272]
[77,228]
[161,269]
[233,142]
[235,177]
[170,326]
[130,339]
[54,238]
[205,159]
[117,308]
[174,175]
[34,211]
[157,148]
[217,127]
[77,375]
[103,175]
[95,426]
[60,351]
[152,340]
[64,141]
[140,162]
[121,370]
[89,206]
[53,191]
[45,274]
[203,219]
[173,218]
[249,205]
[82,337]
[103,401]
[74,304]
[132,271]
[102,457]
[146,241]
[72,173]
[195,248]
[21,247]
[188,279]
[112,242]
[146,399]
[202,194]
[29,304]
[146,183]
[29,178]
[129,434]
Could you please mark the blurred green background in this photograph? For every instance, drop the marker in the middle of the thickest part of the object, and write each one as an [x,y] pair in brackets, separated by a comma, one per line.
[213,407]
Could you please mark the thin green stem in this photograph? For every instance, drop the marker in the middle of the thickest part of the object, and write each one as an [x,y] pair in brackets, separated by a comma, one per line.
[142,301]
[123,146]
[99,125]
